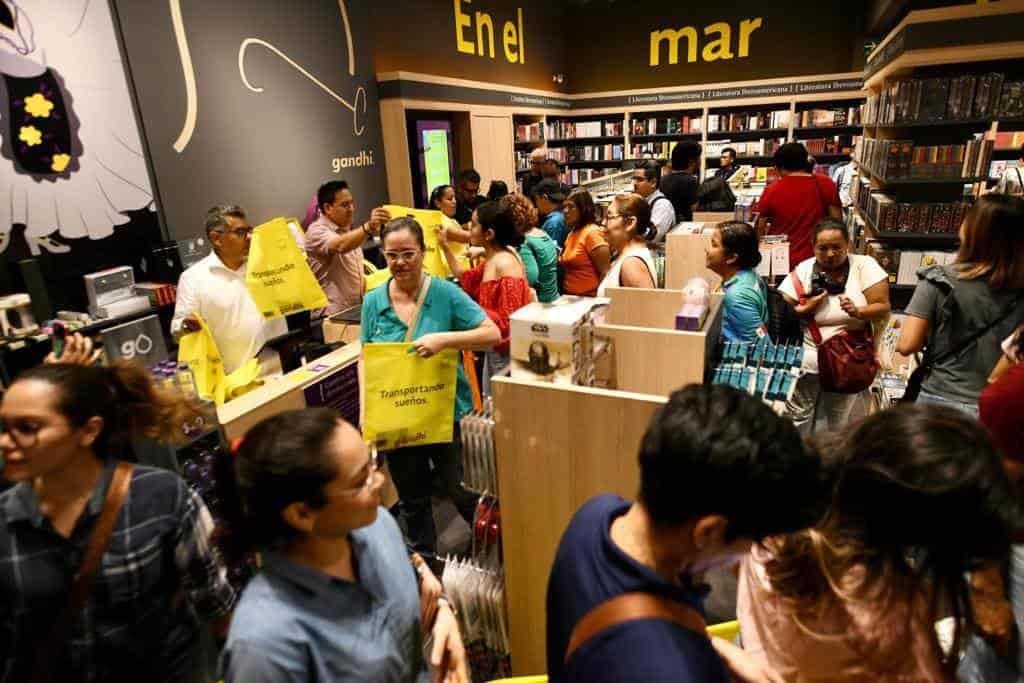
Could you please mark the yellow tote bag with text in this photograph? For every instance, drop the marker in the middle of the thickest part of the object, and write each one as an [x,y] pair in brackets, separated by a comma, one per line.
[409,401]
[278,275]
[199,351]
[433,261]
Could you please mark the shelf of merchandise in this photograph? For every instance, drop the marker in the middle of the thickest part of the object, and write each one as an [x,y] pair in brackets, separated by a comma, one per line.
[602,163]
[665,137]
[973,123]
[529,143]
[602,140]
[882,180]
[918,239]
[827,130]
[757,133]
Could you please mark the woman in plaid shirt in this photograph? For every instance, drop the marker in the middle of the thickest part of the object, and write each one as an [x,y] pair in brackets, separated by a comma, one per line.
[60,431]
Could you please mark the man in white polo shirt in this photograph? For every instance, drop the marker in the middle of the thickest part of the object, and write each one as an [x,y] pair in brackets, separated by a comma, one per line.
[215,289]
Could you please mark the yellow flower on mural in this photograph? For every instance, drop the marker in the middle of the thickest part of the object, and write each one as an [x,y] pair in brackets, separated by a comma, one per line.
[60,162]
[30,135]
[37,105]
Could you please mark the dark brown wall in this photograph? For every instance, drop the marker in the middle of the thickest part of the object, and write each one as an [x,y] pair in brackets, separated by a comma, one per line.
[419,36]
[608,46]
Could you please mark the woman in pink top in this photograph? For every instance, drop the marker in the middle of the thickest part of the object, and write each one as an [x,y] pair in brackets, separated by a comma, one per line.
[919,499]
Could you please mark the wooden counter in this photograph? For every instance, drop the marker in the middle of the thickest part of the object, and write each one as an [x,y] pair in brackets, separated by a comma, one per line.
[685,258]
[286,392]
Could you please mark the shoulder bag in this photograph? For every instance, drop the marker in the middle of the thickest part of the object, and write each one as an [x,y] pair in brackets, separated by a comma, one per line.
[60,632]
[921,372]
[419,307]
[846,362]
[632,607]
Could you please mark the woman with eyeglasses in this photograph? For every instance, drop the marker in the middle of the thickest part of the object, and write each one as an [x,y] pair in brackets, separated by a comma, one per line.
[498,283]
[627,225]
[337,598]
[64,427]
[448,319]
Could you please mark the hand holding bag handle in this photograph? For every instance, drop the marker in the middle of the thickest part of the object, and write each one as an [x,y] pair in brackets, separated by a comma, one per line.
[846,361]
[60,632]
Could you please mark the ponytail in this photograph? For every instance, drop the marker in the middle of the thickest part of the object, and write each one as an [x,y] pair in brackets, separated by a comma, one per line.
[123,395]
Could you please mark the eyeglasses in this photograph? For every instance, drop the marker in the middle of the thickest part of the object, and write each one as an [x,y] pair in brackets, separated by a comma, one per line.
[240,233]
[395,256]
[23,435]
[373,465]
[639,179]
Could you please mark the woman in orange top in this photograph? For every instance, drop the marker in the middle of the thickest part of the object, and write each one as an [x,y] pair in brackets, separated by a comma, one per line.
[498,283]
[586,256]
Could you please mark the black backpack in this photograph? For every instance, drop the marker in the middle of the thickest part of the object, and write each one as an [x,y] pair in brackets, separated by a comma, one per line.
[714,194]
[783,322]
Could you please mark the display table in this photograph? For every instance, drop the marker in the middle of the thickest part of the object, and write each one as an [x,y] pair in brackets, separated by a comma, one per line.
[648,355]
[685,256]
[340,332]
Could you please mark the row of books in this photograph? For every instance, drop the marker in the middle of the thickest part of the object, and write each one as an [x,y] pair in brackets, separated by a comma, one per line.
[560,130]
[576,176]
[651,150]
[522,160]
[889,215]
[740,121]
[823,118]
[1009,140]
[762,147]
[669,126]
[530,132]
[588,153]
[998,168]
[902,265]
[924,100]
[835,144]
[901,159]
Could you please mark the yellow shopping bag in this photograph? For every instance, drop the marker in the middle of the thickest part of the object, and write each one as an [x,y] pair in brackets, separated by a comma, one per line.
[278,275]
[433,261]
[199,351]
[408,400]
[374,278]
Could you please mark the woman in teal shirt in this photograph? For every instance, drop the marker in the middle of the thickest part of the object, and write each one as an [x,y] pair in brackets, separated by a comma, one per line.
[538,251]
[449,319]
[734,254]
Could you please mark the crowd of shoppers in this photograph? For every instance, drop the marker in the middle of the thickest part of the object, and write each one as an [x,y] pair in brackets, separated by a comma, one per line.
[883,550]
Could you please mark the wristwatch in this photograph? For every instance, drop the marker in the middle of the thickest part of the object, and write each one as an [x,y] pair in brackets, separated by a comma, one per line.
[368,233]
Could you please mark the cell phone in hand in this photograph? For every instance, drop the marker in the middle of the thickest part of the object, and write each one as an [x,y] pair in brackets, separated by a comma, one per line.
[60,333]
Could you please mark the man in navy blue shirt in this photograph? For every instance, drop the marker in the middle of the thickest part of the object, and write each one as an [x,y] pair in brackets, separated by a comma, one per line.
[719,470]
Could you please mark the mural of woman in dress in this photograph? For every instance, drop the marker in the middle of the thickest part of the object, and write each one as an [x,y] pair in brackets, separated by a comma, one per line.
[71,159]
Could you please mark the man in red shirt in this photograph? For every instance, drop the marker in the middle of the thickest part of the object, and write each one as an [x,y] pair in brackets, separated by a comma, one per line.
[798,201]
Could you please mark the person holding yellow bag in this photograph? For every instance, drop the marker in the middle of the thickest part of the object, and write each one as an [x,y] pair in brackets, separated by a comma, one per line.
[441,317]
[334,246]
[215,290]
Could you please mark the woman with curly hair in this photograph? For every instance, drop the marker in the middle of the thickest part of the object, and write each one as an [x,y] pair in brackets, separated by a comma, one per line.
[538,251]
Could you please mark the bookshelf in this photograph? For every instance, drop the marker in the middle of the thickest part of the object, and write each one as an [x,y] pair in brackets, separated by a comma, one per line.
[948,120]
[670,125]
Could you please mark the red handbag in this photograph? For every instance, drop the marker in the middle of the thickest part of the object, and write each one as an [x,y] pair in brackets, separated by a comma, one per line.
[846,362]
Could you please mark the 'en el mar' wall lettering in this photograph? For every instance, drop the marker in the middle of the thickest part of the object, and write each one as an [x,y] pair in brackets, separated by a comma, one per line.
[512,38]
[719,45]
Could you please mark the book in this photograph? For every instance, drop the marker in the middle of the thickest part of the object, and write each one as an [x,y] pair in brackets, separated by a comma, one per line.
[906,273]
[888,259]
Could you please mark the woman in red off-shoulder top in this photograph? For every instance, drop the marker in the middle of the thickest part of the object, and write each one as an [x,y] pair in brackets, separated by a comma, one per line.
[499,282]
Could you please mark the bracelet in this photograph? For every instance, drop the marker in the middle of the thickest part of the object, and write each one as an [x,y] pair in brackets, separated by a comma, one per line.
[368,233]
